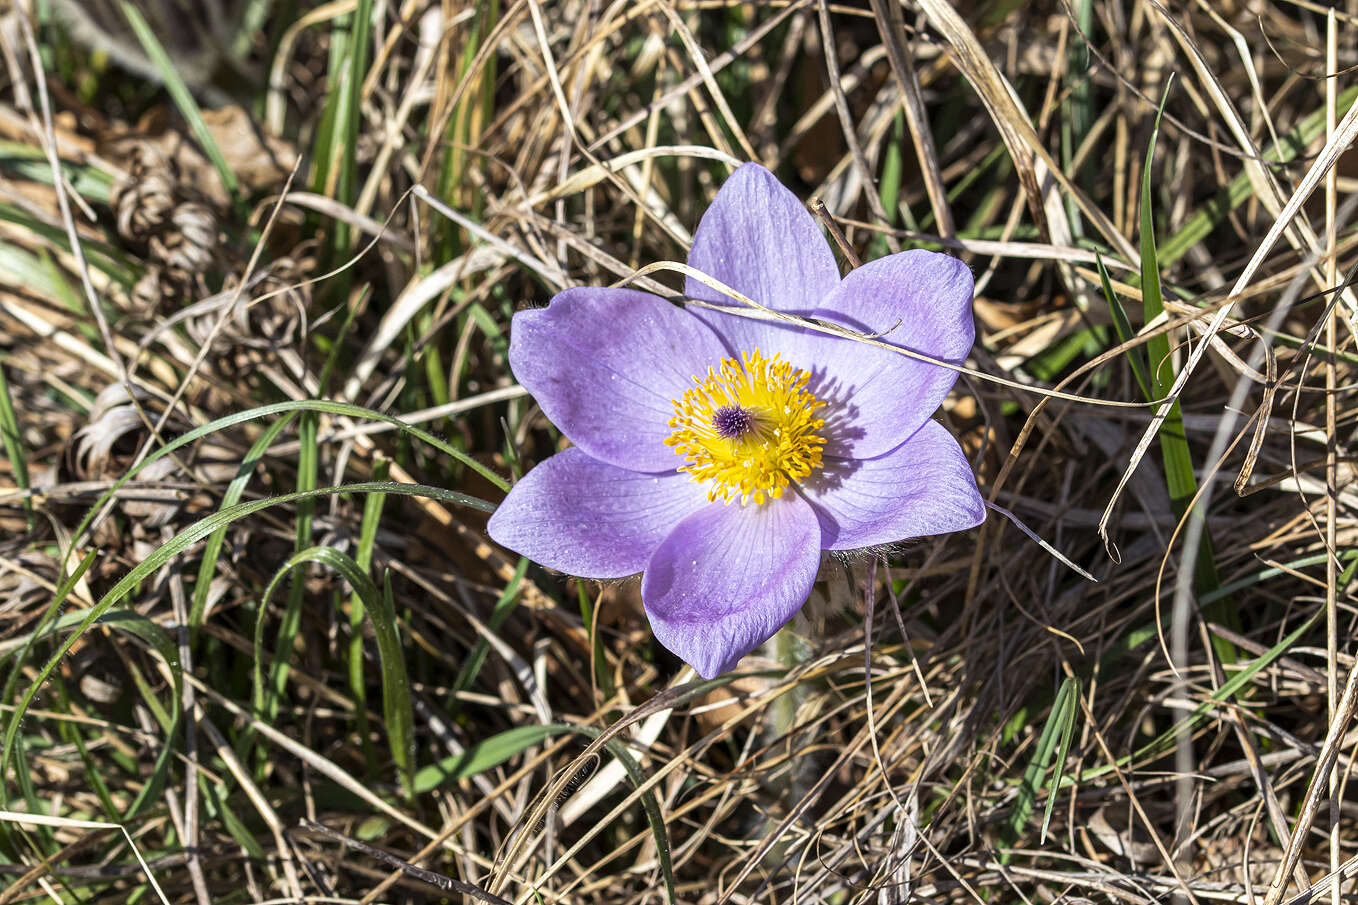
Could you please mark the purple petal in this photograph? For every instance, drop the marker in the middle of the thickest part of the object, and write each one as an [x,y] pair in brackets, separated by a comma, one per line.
[584,517]
[606,366]
[728,577]
[876,399]
[759,239]
[920,488]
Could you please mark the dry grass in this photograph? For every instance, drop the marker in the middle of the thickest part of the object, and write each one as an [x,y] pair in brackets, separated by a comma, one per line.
[915,752]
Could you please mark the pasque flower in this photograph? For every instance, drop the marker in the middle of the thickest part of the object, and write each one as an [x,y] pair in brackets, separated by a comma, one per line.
[719,455]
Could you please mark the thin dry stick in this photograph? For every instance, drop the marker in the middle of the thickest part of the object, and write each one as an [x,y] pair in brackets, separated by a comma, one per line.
[253,792]
[1319,782]
[49,141]
[709,80]
[1331,442]
[891,26]
[761,312]
[846,121]
[836,234]
[437,880]
[179,602]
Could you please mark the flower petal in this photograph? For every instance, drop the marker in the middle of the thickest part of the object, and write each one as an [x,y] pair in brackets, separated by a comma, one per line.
[606,366]
[759,239]
[584,517]
[875,399]
[922,487]
[728,577]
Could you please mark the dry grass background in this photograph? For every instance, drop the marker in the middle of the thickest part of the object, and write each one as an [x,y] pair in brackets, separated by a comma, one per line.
[968,719]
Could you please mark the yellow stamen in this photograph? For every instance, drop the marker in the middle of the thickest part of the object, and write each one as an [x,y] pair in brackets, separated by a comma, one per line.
[748,428]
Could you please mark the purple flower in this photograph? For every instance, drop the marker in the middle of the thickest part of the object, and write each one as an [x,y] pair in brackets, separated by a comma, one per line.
[720,454]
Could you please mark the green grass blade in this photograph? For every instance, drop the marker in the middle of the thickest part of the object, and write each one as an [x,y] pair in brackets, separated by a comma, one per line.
[483,756]
[178,544]
[367,538]
[1136,357]
[397,708]
[356,69]
[218,804]
[1063,711]
[1165,740]
[212,550]
[308,459]
[1180,479]
[504,605]
[1058,724]
[182,97]
[13,442]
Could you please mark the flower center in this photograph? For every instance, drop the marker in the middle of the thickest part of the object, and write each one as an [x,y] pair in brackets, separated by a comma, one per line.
[732,421]
[748,428]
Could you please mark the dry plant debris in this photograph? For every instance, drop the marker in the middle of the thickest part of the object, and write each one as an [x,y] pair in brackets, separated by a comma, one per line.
[257,270]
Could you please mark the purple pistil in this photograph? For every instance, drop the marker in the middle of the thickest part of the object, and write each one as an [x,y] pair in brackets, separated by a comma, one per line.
[732,421]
